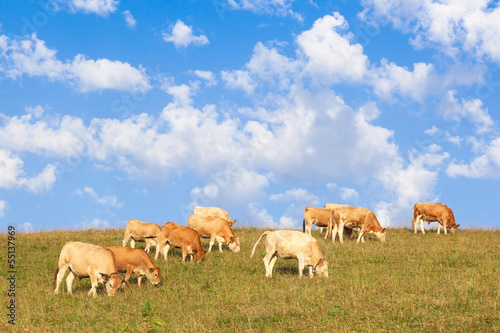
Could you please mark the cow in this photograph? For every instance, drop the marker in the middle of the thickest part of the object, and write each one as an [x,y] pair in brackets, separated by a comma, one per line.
[432,212]
[135,261]
[293,244]
[214,211]
[180,236]
[332,206]
[359,217]
[319,216]
[141,232]
[88,260]
[217,229]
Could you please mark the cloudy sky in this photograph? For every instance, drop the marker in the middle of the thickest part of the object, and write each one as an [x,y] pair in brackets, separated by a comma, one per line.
[111,110]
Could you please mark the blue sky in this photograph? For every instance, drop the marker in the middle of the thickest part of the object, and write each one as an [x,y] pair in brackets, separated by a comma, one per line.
[111,110]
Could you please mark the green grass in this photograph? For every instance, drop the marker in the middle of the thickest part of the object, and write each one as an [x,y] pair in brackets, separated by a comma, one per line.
[423,283]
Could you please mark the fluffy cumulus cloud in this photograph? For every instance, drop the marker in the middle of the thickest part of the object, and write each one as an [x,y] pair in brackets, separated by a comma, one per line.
[182,36]
[486,165]
[30,56]
[12,174]
[296,195]
[467,25]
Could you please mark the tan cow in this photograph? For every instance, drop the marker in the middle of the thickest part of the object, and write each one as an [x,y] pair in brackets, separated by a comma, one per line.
[88,260]
[432,212]
[180,236]
[332,206]
[319,216]
[141,232]
[135,261]
[217,229]
[356,217]
[292,244]
[214,211]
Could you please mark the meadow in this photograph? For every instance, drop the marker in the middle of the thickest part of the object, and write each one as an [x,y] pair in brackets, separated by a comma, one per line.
[422,283]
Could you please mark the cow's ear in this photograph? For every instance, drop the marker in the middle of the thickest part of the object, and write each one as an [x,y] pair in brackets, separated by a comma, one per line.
[151,270]
[383,230]
[234,221]
[105,277]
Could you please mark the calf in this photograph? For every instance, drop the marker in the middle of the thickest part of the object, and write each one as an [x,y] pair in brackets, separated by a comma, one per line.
[217,229]
[87,260]
[214,211]
[360,217]
[141,232]
[180,236]
[433,212]
[135,261]
[291,244]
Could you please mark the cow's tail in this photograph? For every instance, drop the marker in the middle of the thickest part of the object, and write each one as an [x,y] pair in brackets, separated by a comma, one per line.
[304,224]
[258,240]
[55,277]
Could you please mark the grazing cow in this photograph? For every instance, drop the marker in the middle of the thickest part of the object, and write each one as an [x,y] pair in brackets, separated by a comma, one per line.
[331,206]
[141,232]
[319,216]
[432,212]
[292,244]
[217,229]
[87,260]
[135,261]
[214,211]
[180,236]
[360,217]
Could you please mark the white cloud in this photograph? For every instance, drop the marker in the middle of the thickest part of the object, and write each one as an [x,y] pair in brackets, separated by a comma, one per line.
[270,7]
[3,207]
[99,7]
[110,200]
[12,174]
[207,76]
[27,227]
[468,25]
[296,195]
[331,57]
[181,93]
[95,224]
[129,19]
[390,78]
[182,36]
[348,194]
[453,109]
[486,165]
[239,79]
[260,218]
[30,56]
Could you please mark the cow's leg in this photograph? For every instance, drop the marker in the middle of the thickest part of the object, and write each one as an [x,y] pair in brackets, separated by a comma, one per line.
[128,272]
[444,228]
[184,253]
[361,234]
[271,264]
[267,262]
[159,247]
[132,243]
[165,251]
[421,220]
[148,245]
[93,281]
[59,276]
[139,278]
[126,237]
[212,241]
[301,266]
[69,282]
[341,232]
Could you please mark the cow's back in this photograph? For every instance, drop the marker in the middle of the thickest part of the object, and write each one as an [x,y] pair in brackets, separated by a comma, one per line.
[126,255]
[82,256]
[143,229]
[212,211]
[208,225]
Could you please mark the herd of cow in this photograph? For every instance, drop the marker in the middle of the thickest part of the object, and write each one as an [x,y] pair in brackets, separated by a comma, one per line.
[103,264]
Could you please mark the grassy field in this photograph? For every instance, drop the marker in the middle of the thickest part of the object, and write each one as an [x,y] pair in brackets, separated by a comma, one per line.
[424,283]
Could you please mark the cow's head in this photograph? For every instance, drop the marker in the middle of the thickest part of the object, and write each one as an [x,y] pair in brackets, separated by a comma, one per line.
[454,228]
[199,255]
[234,244]
[321,268]
[112,282]
[154,275]
[381,235]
